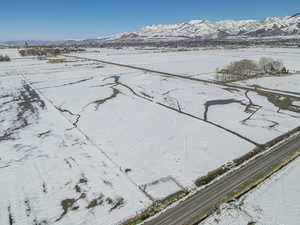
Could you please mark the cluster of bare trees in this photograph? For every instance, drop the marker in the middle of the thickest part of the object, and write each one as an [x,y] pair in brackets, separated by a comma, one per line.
[246,68]
[39,52]
[270,66]
[48,51]
[4,58]
[243,67]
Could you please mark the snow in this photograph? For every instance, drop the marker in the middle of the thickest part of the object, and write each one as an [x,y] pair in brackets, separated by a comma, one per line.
[286,84]
[213,29]
[274,202]
[192,97]
[12,53]
[162,187]
[200,64]
[43,162]
[125,127]
[119,135]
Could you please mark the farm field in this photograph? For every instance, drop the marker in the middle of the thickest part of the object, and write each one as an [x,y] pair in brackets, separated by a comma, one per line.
[286,84]
[200,64]
[84,142]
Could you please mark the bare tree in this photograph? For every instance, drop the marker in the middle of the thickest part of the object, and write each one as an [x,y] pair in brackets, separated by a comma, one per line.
[269,65]
[243,67]
[4,58]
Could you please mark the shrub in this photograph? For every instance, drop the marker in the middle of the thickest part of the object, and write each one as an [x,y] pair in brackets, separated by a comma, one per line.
[4,58]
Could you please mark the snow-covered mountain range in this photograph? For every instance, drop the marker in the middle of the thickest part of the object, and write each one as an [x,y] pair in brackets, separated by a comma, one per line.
[273,28]
[288,26]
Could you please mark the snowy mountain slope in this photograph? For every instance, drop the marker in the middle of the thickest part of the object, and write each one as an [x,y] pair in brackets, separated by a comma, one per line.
[204,29]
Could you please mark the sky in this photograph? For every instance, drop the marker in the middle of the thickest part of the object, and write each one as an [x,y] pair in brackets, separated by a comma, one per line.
[74,19]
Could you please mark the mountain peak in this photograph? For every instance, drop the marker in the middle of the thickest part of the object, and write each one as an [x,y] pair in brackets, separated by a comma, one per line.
[196,21]
[295,15]
[205,29]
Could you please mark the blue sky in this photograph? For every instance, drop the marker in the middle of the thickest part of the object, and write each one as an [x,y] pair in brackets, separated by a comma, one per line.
[62,19]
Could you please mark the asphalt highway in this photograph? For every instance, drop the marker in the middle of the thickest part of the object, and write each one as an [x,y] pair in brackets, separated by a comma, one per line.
[191,210]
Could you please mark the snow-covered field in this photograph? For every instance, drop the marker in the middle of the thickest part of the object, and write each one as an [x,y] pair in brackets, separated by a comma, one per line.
[52,174]
[201,64]
[84,142]
[274,202]
[287,84]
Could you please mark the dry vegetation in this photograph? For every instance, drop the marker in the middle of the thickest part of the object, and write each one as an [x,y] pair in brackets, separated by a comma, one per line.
[245,69]
[242,159]
[56,61]
[48,51]
[4,58]
[156,208]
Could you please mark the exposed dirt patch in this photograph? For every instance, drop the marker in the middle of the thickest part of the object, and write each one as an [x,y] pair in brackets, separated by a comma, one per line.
[96,202]
[97,103]
[53,61]
[21,109]
[27,207]
[282,102]
[116,204]
[66,205]
[78,116]
[44,187]
[10,216]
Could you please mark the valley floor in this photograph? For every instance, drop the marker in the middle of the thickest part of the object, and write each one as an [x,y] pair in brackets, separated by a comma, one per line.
[84,142]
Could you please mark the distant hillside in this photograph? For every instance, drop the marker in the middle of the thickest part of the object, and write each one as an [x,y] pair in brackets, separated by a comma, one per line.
[285,27]
[272,30]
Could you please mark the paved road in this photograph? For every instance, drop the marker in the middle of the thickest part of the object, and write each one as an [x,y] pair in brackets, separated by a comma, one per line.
[230,85]
[191,210]
[194,208]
